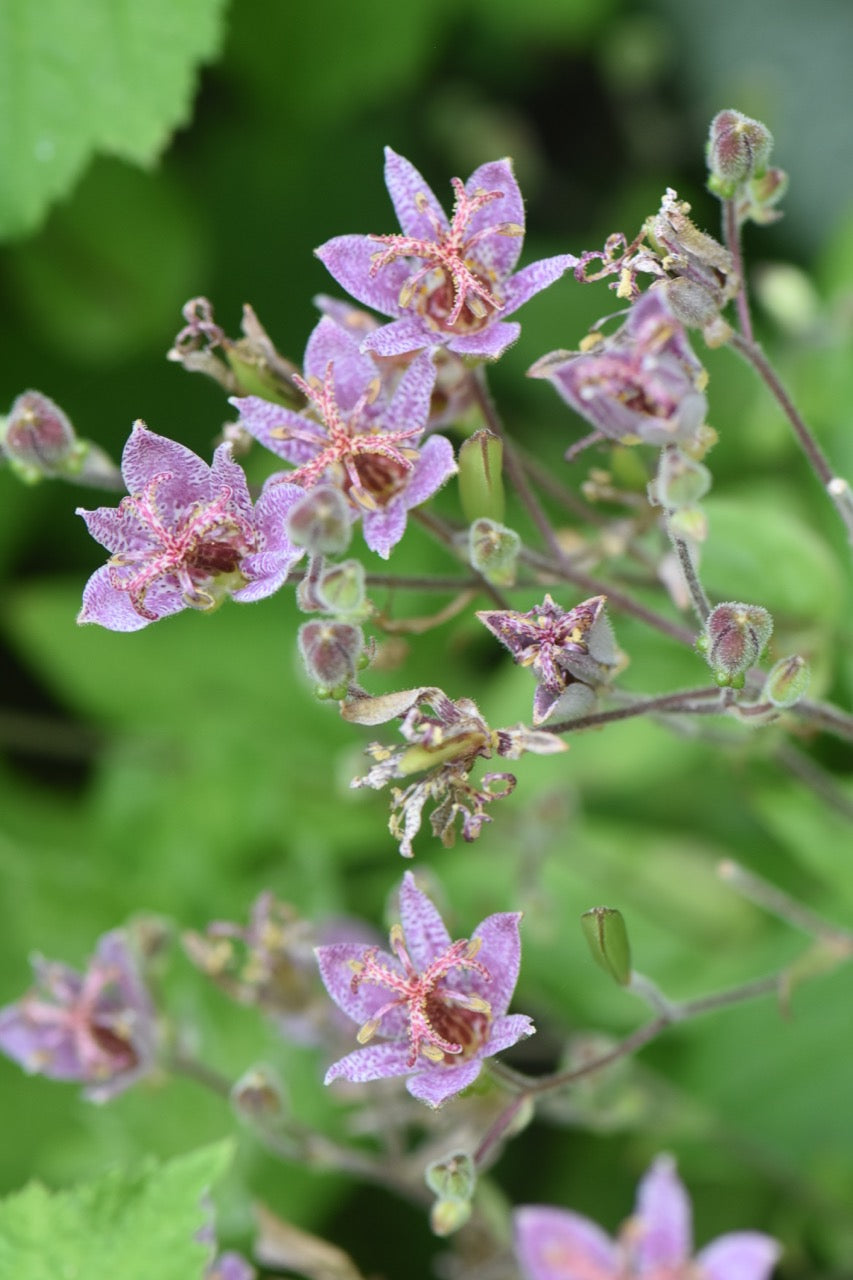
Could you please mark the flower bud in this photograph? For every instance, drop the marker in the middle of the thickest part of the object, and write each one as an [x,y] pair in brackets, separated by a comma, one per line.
[607,937]
[733,640]
[481,489]
[447,1216]
[331,653]
[786,682]
[258,1096]
[493,551]
[763,194]
[453,1177]
[738,150]
[39,440]
[321,521]
[340,588]
[680,481]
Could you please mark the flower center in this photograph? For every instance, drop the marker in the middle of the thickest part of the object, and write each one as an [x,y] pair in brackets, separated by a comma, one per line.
[445,1024]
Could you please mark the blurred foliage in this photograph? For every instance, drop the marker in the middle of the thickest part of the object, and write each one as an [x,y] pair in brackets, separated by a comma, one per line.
[182,769]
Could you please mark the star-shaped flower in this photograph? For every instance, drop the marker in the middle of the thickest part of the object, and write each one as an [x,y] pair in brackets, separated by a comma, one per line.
[355,437]
[97,1027]
[186,537]
[655,1244]
[437,1007]
[568,651]
[445,283]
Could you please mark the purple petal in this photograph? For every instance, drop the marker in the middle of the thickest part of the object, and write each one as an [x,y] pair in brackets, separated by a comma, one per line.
[119,529]
[435,1085]
[402,337]
[384,528]
[497,254]
[426,935]
[410,403]
[501,955]
[376,1062]
[434,466]
[146,454]
[531,280]
[276,555]
[226,473]
[489,343]
[664,1235]
[408,190]
[107,607]
[554,1244]
[262,419]
[507,1031]
[362,1004]
[349,259]
[329,343]
[742,1255]
[544,702]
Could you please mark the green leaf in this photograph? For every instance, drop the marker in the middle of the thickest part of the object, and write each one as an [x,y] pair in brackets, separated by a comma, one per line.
[131,1224]
[110,76]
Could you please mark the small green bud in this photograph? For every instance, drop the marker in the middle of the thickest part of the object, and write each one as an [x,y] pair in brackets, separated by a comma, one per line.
[787,682]
[321,521]
[340,588]
[258,1096]
[493,551]
[738,150]
[453,1177]
[681,481]
[689,522]
[735,636]
[481,490]
[607,936]
[763,194]
[447,1216]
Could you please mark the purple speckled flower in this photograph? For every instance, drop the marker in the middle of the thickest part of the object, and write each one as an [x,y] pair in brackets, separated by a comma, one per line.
[445,283]
[187,536]
[644,381]
[438,1006]
[355,437]
[655,1244]
[97,1027]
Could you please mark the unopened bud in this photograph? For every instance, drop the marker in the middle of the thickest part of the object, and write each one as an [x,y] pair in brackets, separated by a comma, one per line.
[447,1216]
[607,936]
[258,1096]
[481,490]
[321,521]
[690,523]
[39,440]
[763,194]
[738,150]
[681,481]
[331,652]
[340,587]
[493,551]
[697,306]
[454,1177]
[733,640]
[787,682]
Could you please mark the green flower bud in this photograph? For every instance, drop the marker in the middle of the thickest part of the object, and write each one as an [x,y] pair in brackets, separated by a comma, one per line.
[786,682]
[681,481]
[607,937]
[340,588]
[733,640]
[321,521]
[481,490]
[493,551]
[738,150]
[763,194]
[447,1216]
[452,1177]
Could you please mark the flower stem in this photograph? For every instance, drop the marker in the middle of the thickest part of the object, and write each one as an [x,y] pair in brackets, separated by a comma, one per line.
[731,238]
[681,703]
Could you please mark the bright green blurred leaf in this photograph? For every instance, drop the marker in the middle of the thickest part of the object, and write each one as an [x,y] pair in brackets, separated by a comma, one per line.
[110,76]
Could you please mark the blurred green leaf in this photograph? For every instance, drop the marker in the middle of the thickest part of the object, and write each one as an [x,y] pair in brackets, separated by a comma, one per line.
[109,76]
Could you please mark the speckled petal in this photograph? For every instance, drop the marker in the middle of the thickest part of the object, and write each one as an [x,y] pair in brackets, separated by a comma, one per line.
[501,955]
[354,372]
[435,465]
[107,607]
[497,253]
[507,1031]
[405,186]
[426,935]
[402,337]
[531,280]
[376,1062]
[226,473]
[410,403]
[664,1229]
[349,259]
[554,1244]
[489,343]
[384,527]
[262,419]
[146,454]
[435,1085]
[362,1004]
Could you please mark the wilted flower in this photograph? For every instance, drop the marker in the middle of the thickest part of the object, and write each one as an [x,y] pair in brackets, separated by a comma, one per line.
[657,1242]
[445,283]
[186,537]
[438,1006]
[96,1027]
[643,383]
[355,438]
[568,651]
[445,738]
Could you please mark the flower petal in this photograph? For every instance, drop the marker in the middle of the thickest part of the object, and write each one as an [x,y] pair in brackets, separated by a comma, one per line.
[531,280]
[501,954]
[376,1062]
[269,423]
[354,372]
[435,1085]
[146,454]
[426,935]
[350,258]
[384,527]
[336,970]
[402,337]
[507,1031]
[664,1229]
[742,1255]
[409,193]
[107,607]
[489,343]
[554,1244]
[410,403]
[497,254]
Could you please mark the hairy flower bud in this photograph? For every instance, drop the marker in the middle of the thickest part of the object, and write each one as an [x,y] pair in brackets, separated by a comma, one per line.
[493,551]
[681,481]
[454,1177]
[321,522]
[738,150]
[787,681]
[607,937]
[481,490]
[331,653]
[39,440]
[733,640]
[340,587]
[447,1216]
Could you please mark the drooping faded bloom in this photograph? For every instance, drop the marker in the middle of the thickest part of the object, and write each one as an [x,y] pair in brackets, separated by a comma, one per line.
[444,740]
[96,1027]
[186,537]
[445,283]
[569,652]
[437,1007]
[641,384]
[655,1244]
[355,437]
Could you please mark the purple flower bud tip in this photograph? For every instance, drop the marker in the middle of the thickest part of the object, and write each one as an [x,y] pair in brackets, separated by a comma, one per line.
[331,652]
[445,282]
[738,150]
[656,1241]
[734,638]
[435,1008]
[39,438]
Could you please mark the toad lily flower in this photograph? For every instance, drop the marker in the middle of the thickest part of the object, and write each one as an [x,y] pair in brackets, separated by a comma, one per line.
[655,1244]
[438,1006]
[354,437]
[186,537]
[445,283]
[97,1027]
